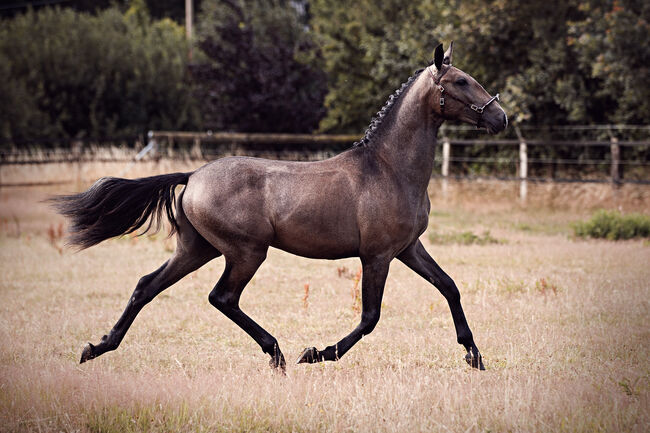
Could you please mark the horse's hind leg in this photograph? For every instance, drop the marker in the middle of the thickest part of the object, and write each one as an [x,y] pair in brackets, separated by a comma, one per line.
[225,297]
[417,258]
[192,252]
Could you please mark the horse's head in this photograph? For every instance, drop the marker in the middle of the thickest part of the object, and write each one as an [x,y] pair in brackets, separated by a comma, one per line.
[458,96]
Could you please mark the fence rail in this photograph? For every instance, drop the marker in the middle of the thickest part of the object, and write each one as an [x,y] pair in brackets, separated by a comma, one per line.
[446,158]
[202,147]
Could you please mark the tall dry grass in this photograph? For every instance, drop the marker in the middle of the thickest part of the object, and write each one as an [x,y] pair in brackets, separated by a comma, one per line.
[562,325]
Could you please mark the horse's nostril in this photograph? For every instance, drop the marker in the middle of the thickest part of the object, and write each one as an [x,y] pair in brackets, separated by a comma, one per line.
[505,120]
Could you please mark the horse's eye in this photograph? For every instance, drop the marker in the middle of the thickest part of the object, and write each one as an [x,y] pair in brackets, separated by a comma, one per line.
[461,82]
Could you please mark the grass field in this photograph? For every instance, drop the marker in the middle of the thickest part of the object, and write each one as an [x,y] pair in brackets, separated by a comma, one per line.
[563,325]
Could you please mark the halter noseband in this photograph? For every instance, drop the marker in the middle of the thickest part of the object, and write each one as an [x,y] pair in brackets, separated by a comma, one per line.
[474,107]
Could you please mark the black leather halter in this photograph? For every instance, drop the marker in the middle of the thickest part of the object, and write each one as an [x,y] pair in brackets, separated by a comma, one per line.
[474,107]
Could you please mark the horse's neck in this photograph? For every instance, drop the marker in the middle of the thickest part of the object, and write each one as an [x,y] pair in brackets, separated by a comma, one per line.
[408,146]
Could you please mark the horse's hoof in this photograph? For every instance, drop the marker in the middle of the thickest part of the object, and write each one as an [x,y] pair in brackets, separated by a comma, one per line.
[309,355]
[278,365]
[88,353]
[475,361]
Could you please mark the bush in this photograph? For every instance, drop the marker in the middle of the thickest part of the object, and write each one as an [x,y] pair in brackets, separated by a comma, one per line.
[613,226]
[66,74]
[463,238]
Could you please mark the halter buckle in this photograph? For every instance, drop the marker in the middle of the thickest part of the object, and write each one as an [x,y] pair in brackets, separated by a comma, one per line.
[476,108]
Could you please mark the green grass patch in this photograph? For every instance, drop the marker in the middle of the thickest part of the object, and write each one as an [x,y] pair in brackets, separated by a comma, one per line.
[181,417]
[613,225]
[463,238]
[115,419]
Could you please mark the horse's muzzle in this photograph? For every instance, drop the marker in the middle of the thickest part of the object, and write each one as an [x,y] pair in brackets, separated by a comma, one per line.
[494,122]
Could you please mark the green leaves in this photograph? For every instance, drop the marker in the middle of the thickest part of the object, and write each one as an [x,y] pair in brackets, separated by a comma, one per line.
[259,70]
[553,63]
[299,66]
[79,75]
[368,52]
[613,225]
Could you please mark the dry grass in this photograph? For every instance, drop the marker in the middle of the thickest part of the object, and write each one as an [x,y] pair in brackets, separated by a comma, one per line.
[562,325]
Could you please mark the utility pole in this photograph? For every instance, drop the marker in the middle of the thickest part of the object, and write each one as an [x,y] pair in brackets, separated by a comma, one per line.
[189,12]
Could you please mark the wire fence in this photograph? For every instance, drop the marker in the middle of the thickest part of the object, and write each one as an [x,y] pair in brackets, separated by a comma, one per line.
[619,153]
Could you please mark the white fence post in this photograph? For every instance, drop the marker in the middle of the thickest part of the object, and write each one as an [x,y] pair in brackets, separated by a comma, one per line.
[189,18]
[446,150]
[196,149]
[616,157]
[523,166]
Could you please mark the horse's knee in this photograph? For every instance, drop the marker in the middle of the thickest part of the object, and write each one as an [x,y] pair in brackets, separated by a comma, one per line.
[221,301]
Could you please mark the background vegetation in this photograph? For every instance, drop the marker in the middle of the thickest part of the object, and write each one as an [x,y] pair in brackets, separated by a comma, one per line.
[613,225]
[65,74]
[96,69]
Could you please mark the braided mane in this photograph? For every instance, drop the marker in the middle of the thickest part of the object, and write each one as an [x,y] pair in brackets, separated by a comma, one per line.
[388,105]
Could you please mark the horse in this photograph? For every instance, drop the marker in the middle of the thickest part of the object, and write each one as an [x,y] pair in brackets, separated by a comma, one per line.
[238,207]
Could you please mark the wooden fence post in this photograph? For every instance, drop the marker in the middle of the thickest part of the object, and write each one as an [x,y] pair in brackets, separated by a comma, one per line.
[77,150]
[446,150]
[523,166]
[616,157]
[196,149]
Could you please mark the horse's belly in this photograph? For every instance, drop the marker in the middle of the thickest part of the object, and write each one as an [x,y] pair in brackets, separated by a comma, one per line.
[318,242]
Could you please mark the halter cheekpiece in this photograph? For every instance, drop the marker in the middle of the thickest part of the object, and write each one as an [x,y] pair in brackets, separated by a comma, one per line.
[473,107]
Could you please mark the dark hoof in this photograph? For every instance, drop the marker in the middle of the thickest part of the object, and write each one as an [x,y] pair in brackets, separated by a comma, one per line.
[278,364]
[309,355]
[475,361]
[88,353]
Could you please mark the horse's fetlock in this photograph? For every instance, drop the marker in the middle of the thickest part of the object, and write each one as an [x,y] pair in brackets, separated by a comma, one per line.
[466,339]
[330,353]
[271,348]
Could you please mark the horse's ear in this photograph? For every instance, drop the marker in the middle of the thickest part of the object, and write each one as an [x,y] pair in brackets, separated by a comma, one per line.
[438,56]
[447,59]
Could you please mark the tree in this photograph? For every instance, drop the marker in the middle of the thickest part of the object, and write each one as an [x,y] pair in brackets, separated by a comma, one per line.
[611,44]
[368,51]
[159,9]
[67,74]
[253,73]
[553,63]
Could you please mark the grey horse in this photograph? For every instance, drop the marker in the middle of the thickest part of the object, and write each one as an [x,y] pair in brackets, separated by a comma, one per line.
[369,201]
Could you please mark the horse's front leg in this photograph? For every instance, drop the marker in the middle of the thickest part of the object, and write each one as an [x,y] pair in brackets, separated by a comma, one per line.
[417,258]
[375,272]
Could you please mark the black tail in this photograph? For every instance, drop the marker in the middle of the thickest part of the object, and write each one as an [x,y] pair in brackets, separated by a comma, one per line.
[114,207]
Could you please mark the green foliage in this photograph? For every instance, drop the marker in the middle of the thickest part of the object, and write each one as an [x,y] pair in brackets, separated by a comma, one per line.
[614,226]
[258,70]
[611,44]
[66,74]
[368,51]
[463,238]
[553,63]
[280,65]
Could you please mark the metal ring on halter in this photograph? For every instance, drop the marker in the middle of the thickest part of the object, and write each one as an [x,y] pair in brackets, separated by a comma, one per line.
[480,109]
